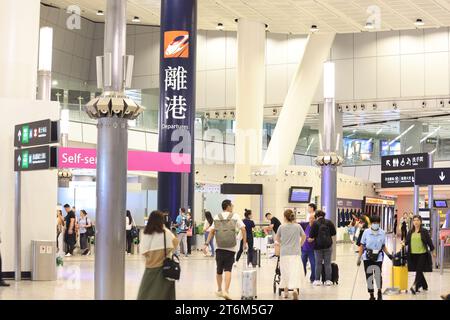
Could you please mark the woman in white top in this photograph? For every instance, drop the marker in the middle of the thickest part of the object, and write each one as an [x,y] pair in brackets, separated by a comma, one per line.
[207,228]
[154,286]
[289,240]
[128,226]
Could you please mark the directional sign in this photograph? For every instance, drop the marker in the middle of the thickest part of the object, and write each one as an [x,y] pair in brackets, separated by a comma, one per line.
[432,176]
[36,133]
[397,179]
[404,162]
[37,158]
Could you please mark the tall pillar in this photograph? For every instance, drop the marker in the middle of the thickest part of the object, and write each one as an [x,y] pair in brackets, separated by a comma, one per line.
[113,110]
[177,99]
[298,100]
[329,157]
[250,98]
[19,36]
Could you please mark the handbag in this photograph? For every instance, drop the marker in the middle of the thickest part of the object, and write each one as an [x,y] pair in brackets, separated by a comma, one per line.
[90,231]
[171,266]
[134,232]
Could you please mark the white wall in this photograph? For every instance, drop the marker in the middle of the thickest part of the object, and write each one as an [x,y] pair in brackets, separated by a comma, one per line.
[39,188]
[72,49]
[392,64]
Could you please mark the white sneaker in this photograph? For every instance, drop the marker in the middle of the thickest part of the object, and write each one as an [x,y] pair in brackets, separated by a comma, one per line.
[219,294]
[68,255]
[317,283]
[328,283]
[226,296]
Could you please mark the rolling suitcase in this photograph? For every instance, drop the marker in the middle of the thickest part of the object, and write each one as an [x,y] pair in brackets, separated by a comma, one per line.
[400,277]
[248,290]
[334,273]
[256,259]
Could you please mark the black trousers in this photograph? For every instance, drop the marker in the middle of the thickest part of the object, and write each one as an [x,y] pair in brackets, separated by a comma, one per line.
[420,260]
[129,240]
[249,252]
[404,231]
[373,272]
[189,244]
[70,242]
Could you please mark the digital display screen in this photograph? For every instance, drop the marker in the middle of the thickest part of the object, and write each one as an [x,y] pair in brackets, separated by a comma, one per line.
[392,149]
[358,149]
[440,203]
[300,194]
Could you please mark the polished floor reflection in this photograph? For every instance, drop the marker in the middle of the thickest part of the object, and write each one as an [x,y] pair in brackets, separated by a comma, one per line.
[76,281]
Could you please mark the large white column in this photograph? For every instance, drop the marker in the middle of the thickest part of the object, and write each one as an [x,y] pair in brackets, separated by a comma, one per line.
[19,36]
[250,93]
[298,100]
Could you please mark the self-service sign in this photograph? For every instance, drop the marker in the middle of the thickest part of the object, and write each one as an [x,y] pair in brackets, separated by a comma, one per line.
[36,133]
[85,158]
[397,179]
[432,176]
[404,162]
[37,158]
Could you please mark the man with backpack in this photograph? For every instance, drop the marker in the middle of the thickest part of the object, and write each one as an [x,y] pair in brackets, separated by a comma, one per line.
[225,228]
[321,233]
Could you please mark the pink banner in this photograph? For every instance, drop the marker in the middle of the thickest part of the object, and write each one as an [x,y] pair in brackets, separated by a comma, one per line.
[83,158]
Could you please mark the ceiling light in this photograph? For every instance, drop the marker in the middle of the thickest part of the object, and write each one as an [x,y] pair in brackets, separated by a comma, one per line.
[100,13]
[314,28]
[368,26]
[136,19]
[219,26]
[419,23]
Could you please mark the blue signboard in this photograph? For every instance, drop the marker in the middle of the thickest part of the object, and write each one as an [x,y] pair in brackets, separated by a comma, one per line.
[177,96]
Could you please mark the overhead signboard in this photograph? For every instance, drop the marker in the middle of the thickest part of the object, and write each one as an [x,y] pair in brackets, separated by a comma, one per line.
[397,179]
[404,162]
[241,188]
[432,176]
[36,133]
[36,158]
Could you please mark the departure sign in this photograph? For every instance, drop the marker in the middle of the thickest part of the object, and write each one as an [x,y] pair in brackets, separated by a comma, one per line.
[397,179]
[37,158]
[404,162]
[36,133]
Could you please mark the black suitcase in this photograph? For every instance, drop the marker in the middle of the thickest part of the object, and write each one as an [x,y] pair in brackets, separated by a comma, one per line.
[256,261]
[334,273]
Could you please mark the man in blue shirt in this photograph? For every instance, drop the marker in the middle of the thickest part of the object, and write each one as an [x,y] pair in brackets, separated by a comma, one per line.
[308,247]
[182,228]
[371,250]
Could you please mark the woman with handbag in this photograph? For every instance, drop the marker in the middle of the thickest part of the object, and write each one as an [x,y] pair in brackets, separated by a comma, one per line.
[420,246]
[157,245]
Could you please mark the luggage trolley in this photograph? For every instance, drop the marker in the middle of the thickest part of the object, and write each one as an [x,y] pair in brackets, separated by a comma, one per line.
[277,279]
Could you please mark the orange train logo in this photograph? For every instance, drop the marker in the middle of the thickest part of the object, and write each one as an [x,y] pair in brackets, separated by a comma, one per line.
[176,44]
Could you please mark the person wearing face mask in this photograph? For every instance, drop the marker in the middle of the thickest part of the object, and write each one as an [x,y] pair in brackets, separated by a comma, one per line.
[371,250]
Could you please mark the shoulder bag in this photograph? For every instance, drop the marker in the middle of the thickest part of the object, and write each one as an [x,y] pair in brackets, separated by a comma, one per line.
[171,266]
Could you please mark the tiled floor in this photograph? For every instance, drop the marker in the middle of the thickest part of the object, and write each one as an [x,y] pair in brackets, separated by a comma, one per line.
[75,281]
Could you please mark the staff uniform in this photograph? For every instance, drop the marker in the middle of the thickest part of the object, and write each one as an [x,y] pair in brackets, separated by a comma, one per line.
[373,240]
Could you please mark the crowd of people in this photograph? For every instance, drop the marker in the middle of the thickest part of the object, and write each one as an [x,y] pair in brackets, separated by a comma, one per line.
[227,236]
[73,231]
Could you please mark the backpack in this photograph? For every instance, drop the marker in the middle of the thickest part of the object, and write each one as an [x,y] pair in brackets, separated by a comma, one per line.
[225,231]
[323,240]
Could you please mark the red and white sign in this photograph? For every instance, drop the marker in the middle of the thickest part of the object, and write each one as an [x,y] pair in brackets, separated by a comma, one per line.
[84,158]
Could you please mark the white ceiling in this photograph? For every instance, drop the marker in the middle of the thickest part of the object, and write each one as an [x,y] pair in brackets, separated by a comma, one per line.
[289,16]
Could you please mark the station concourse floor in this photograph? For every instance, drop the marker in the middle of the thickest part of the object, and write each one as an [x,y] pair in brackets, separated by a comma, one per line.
[76,281]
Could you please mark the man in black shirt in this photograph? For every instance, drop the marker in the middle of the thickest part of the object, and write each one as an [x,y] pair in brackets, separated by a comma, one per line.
[70,237]
[274,222]
[321,233]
